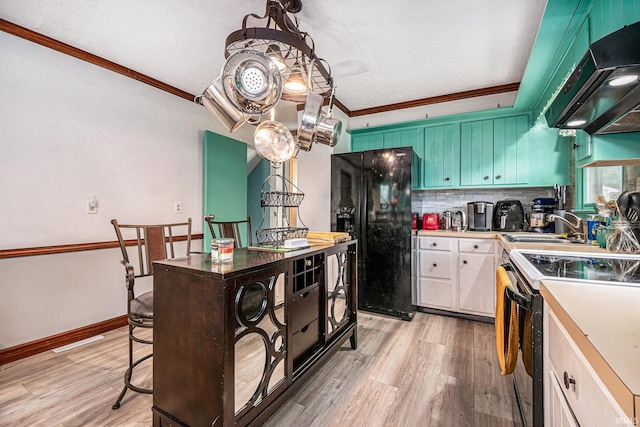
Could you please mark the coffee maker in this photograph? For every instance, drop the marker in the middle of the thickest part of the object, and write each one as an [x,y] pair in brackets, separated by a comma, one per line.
[480,215]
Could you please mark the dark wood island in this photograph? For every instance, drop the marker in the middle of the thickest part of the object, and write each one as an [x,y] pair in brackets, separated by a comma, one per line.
[233,341]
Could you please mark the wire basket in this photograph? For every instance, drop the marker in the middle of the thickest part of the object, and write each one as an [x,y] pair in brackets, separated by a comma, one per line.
[277,236]
[277,198]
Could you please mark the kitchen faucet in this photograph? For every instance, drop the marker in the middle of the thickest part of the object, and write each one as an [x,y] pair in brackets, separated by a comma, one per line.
[577,232]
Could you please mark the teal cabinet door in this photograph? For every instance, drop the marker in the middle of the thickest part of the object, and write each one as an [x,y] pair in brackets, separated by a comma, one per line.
[441,160]
[369,141]
[510,150]
[405,138]
[582,145]
[476,153]
[617,147]
[494,153]
[548,157]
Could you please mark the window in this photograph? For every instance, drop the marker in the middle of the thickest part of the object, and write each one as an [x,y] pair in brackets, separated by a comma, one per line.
[603,181]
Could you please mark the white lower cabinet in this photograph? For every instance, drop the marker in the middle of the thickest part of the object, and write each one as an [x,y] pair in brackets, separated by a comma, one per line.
[574,389]
[560,414]
[435,273]
[414,268]
[457,274]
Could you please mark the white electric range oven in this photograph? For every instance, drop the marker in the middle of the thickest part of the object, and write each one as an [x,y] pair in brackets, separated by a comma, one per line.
[527,269]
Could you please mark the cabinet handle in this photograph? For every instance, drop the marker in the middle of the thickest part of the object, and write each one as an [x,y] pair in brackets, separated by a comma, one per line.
[447,179]
[568,381]
[434,244]
[475,246]
[304,294]
[486,177]
[308,263]
[498,176]
[465,262]
[435,265]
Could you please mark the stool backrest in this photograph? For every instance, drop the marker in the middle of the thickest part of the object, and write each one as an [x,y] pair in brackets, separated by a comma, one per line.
[230,230]
[153,242]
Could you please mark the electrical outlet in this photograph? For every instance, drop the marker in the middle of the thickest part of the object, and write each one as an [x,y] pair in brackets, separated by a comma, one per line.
[177,207]
[92,205]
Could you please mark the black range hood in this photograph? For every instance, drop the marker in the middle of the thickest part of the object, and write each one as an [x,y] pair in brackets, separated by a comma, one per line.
[602,95]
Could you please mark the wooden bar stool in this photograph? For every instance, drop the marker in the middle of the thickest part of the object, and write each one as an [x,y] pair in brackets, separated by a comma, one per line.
[151,243]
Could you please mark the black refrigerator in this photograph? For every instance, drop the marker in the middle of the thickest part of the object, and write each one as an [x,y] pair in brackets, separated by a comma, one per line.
[371,200]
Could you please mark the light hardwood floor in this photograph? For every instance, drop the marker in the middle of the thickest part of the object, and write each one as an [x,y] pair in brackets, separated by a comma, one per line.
[433,371]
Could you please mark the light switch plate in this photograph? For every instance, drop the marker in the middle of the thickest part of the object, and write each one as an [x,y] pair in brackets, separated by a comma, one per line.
[92,204]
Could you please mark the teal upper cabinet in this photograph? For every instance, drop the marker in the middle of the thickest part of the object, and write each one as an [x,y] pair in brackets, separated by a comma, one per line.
[405,138]
[548,156]
[607,150]
[476,158]
[510,150]
[414,138]
[367,141]
[582,146]
[441,161]
[494,152]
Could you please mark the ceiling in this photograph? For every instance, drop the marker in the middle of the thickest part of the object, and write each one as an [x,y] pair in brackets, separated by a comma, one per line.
[381,52]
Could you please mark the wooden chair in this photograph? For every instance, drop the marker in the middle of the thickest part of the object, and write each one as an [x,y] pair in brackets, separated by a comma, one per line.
[230,230]
[152,243]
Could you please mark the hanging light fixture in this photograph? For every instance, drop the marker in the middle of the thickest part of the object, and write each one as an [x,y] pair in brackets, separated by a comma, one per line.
[281,39]
[275,54]
[267,63]
[295,84]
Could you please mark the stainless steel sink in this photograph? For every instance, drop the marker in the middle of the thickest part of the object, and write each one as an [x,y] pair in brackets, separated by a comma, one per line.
[537,238]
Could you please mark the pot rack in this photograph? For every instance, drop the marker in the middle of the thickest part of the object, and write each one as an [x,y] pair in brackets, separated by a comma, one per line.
[282,40]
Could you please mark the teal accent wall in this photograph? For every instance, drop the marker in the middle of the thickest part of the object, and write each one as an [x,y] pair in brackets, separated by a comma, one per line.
[254,188]
[225,180]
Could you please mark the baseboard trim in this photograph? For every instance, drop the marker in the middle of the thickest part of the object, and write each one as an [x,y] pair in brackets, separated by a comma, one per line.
[21,351]
[465,316]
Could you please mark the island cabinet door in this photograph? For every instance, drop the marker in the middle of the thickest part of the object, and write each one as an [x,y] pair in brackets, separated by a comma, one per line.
[257,325]
[338,306]
[188,349]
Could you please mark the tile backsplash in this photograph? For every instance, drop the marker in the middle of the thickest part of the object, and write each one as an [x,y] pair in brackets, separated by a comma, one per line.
[433,201]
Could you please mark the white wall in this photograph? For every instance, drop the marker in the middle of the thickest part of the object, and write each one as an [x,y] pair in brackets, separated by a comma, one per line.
[68,130]
[314,178]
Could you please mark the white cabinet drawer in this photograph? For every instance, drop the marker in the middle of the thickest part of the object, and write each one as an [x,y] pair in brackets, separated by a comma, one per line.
[590,401]
[482,246]
[436,293]
[435,264]
[435,243]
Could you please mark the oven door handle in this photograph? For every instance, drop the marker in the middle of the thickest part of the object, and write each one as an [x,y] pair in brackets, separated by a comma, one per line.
[521,299]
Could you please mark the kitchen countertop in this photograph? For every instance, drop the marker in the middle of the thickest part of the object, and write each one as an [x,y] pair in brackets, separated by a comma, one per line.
[468,234]
[567,247]
[603,321]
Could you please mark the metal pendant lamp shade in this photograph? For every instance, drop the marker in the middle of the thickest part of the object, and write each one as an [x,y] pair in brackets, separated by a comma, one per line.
[274,142]
[295,84]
